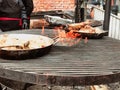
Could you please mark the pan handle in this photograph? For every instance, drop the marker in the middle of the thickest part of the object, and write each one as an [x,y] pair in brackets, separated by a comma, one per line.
[56,40]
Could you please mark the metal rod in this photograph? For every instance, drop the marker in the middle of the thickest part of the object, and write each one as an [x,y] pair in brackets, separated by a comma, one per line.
[78,9]
[107,15]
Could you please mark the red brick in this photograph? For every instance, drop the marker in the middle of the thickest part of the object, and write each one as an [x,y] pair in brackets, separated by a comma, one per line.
[48,5]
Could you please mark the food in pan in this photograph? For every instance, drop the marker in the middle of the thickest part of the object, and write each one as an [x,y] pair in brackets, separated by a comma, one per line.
[75,26]
[87,29]
[23,41]
[83,27]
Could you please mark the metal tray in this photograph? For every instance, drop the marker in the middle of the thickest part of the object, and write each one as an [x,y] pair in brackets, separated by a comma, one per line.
[96,23]
[93,35]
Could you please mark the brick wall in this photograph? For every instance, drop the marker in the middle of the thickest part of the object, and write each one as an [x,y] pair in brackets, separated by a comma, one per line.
[48,5]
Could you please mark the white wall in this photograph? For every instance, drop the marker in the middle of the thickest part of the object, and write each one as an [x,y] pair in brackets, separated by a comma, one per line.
[114,26]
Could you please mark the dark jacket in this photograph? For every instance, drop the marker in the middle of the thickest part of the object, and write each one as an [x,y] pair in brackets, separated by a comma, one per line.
[10,14]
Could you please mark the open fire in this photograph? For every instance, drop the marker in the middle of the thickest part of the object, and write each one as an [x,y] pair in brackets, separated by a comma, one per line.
[68,38]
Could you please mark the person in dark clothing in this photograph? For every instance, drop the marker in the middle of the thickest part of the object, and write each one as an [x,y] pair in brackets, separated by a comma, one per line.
[14,14]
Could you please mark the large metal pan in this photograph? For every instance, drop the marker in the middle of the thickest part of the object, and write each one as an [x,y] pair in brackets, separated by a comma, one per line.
[27,53]
[93,35]
[98,34]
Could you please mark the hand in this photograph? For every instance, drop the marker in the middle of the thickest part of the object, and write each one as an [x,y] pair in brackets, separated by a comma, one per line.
[24,24]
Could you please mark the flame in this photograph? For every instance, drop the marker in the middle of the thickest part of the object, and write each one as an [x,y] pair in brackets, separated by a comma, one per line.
[43,27]
[63,34]
[86,40]
[70,38]
[43,30]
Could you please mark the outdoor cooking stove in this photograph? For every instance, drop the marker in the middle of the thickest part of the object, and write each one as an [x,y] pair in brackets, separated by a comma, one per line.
[87,64]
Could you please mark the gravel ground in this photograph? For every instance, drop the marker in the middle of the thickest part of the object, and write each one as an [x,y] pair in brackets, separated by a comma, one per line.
[111,86]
